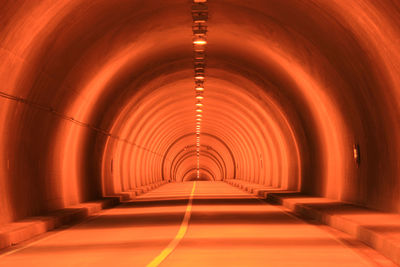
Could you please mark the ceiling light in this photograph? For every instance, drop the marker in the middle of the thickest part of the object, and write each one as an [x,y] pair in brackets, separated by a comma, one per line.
[199,28]
[199,76]
[200,42]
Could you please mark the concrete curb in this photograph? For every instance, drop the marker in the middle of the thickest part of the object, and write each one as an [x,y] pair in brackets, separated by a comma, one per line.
[379,230]
[16,232]
[22,230]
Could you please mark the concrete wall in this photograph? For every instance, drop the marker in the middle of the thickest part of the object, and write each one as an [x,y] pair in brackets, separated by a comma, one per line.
[96,98]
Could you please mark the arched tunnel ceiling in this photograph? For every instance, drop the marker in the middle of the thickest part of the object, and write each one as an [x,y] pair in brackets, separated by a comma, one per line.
[98,98]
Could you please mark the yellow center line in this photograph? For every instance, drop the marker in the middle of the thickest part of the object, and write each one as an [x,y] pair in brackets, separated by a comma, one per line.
[181,233]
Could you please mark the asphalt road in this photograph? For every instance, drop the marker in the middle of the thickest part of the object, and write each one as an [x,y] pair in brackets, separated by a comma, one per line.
[224,227]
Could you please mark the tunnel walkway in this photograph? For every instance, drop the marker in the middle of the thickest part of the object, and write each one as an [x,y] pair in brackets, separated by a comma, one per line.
[227,227]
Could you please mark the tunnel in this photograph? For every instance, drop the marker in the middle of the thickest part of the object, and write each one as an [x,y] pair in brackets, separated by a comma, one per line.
[200,133]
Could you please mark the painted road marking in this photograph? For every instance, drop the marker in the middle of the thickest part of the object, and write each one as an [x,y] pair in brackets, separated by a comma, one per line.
[179,236]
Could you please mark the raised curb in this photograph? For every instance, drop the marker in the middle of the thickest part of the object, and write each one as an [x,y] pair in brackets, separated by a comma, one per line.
[16,232]
[22,230]
[378,230]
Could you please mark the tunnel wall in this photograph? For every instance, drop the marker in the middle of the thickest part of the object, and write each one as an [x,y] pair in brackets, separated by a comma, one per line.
[94,94]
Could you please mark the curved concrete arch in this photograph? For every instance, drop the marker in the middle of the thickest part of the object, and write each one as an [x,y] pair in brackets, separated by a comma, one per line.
[191,149]
[94,94]
[192,135]
[191,154]
[192,171]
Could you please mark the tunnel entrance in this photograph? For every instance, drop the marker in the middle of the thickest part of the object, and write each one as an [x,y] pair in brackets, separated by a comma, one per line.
[204,175]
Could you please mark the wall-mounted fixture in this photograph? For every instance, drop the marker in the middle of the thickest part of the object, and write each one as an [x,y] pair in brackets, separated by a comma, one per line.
[356,154]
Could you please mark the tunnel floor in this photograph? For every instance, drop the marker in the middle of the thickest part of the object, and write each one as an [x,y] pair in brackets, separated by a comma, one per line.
[227,227]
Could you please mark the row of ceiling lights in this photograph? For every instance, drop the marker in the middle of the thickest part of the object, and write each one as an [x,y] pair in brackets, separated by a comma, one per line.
[200,17]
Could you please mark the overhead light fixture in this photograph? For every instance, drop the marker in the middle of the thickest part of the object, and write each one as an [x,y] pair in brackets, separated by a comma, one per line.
[199,29]
[200,42]
[199,65]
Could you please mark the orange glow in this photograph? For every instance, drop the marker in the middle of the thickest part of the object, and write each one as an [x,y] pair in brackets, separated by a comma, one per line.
[200,42]
[98,103]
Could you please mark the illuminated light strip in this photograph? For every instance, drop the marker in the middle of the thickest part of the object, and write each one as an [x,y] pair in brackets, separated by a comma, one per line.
[200,42]
[199,28]
[179,236]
